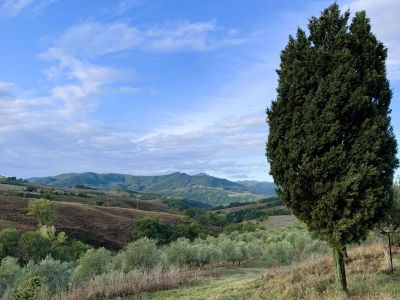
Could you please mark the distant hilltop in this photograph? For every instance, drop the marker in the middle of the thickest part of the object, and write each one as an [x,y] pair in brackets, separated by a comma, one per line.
[200,187]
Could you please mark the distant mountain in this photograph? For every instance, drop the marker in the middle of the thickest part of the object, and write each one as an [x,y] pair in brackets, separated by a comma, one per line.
[201,187]
[258,187]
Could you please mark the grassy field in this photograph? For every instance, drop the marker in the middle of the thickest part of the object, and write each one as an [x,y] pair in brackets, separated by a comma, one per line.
[312,279]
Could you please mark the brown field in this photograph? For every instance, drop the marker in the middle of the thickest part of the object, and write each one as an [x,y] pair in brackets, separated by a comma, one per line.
[280,221]
[100,226]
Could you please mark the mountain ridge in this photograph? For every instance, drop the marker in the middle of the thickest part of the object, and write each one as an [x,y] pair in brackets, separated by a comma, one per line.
[200,187]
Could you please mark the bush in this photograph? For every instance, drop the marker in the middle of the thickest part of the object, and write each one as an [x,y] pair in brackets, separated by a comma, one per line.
[92,263]
[141,254]
[33,246]
[181,252]
[154,229]
[242,227]
[72,250]
[10,270]
[28,289]
[9,238]
[278,253]
[52,273]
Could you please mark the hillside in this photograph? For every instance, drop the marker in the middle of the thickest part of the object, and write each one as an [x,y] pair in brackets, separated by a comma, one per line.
[110,227]
[257,187]
[201,187]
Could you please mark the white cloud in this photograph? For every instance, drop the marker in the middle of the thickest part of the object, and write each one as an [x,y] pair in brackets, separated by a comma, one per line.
[57,129]
[182,35]
[86,81]
[13,8]
[92,38]
[384,15]
[95,38]
[125,5]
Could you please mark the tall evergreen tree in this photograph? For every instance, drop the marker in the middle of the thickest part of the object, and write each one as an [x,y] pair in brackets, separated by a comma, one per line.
[331,148]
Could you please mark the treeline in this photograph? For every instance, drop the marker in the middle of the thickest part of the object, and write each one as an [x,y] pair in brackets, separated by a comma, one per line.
[272,201]
[219,219]
[36,245]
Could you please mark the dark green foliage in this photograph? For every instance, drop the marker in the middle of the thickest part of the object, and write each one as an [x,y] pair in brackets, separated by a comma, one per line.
[205,218]
[331,147]
[3,252]
[153,228]
[242,227]
[69,251]
[29,289]
[254,213]
[189,231]
[12,180]
[164,233]
[9,238]
[270,202]
[183,204]
[33,246]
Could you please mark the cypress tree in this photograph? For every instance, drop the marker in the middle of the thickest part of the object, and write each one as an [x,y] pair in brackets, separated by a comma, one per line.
[331,148]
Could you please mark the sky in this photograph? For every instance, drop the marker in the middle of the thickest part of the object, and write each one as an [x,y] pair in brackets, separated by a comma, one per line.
[149,87]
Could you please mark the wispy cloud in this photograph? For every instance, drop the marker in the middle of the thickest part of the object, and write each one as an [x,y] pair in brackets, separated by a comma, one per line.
[93,38]
[12,8]
[125,5]
[86,81]
[58,129]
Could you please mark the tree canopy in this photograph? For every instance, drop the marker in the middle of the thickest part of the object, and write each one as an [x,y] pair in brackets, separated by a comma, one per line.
[42,209]
[331,148]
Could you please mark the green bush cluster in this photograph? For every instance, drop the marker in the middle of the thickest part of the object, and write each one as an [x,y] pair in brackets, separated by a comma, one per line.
[36,245]
[165,233]
[275,247]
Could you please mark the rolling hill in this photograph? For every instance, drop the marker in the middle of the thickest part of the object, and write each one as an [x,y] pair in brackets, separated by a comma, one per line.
[110,227]
[201,187]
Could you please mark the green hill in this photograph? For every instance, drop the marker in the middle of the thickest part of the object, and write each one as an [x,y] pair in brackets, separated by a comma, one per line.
[201,187]
[257,187]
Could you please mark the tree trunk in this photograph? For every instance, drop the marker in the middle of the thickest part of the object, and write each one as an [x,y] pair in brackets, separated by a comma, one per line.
[340,270]
[390,254]
[346,256]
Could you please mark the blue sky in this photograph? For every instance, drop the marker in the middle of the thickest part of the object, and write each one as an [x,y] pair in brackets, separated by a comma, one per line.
[152,86]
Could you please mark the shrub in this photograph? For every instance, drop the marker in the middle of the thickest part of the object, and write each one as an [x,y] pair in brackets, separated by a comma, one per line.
[28,289]
[154,229]
[93,262]
[51,272]
[33,246]
[9,238]
[10,270]
[141,254]
[181,252]
[278,253]
[72,250]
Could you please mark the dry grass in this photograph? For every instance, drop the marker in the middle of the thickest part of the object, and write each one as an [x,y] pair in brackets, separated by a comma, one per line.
[313,279]
[280,221]
[131,284]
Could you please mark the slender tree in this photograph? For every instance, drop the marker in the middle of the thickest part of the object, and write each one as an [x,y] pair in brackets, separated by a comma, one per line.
[390,224]
[331,148]
[43,210]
